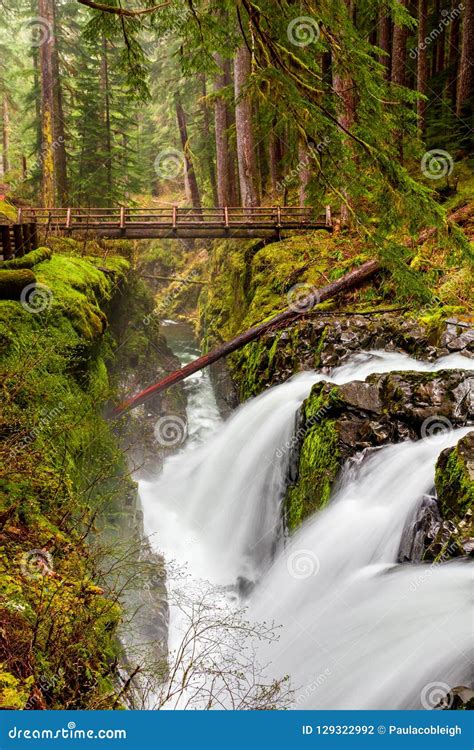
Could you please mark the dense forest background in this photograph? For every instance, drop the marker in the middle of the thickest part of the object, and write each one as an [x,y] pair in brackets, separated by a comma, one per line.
[355,104]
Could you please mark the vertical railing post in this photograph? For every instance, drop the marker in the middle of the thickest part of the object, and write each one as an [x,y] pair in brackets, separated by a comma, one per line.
[328,216]
[17,240]
[68,218]
[226,217]
[6,242]
[278,217]
[34,235]
[26,245]
[175,216]
[122,217]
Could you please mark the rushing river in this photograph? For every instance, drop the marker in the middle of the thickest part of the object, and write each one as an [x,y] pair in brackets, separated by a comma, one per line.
[358,630]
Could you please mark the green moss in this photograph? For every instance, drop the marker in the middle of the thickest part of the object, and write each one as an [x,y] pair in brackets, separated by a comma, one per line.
[319,464]
[29,260]
[6,209]
[319,457]
[455,479]
[61,467]
[13,282]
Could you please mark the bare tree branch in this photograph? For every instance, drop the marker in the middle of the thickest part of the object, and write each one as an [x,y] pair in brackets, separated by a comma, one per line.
[122,11]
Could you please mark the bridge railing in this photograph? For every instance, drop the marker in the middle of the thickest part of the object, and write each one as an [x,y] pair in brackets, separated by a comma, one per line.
[173,216]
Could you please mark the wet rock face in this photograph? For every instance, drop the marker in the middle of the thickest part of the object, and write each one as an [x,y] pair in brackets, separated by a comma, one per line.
[324,342]
[393,407]
[337,422]
[420,531]
[455,489]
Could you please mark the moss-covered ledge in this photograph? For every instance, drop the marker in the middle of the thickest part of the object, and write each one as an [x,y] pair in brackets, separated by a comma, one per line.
[336,422]
[61,467]
[455,479]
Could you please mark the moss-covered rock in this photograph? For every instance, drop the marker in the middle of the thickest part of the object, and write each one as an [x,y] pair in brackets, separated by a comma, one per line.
[12,283]
[61,468]
[455,479]
[336,422]
[29,260]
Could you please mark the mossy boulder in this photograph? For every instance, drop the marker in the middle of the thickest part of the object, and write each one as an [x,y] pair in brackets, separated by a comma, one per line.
[12,283]
[29,260]
[336,422]
[455,479]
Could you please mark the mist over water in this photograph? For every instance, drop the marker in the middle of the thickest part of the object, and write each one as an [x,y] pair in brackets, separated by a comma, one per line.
[359,631]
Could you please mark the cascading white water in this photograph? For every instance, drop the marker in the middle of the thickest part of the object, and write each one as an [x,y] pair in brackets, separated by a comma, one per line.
[358,630]
[217,507]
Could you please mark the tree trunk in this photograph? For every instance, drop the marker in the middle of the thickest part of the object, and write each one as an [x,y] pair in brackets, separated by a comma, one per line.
[304,172]
[453,59]
[5,135]
[48,191]
[399,52]
[60,157]
[222,140]
[383,41]
[343,87]
[189,166]
[104,85]
[440,49]
[206,129]
[348,281]
[274,158]
[246,156]
[466,72]
[422,60]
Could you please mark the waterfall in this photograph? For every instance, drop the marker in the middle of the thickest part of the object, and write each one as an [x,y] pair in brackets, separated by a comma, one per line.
[358,630]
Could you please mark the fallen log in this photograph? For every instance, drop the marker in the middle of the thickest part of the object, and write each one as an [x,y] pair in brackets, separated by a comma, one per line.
[29,260]
[348,281]
[12,283]
[461,216]
[183,280]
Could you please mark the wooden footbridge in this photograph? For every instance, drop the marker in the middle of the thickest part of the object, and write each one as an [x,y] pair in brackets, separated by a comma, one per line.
[207,223]
[174,222]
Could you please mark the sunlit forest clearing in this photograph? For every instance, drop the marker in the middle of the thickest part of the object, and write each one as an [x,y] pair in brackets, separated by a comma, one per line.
[236,343]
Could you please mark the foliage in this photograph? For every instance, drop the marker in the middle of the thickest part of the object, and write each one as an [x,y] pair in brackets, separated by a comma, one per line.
[61,467]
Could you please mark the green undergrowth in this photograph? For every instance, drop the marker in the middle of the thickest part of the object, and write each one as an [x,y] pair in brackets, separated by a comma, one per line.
[61,470]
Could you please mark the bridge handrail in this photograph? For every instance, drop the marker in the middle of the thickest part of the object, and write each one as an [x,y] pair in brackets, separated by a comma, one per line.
[174,215]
